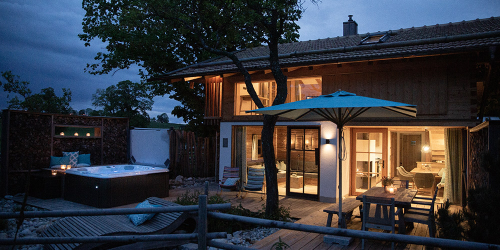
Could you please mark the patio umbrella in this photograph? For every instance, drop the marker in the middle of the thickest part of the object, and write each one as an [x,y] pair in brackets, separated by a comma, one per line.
[339,108]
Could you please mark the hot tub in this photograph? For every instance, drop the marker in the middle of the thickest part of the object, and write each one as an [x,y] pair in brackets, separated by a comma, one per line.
[115,185]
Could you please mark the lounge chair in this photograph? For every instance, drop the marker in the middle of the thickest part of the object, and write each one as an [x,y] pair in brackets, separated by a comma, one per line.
[255,182]
[230,179]
[108,225]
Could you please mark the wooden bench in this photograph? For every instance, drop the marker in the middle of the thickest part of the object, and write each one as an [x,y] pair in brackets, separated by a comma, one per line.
[348,206]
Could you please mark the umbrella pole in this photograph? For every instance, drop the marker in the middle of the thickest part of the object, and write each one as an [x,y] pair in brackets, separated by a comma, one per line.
[340,174]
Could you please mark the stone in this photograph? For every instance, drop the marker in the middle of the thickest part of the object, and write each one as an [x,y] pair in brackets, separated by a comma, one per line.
[179,179]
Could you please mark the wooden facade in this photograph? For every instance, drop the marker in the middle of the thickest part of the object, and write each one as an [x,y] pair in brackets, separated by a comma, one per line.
[442,87]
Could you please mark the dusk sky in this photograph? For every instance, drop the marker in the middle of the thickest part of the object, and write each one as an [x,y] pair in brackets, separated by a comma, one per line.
[39,39]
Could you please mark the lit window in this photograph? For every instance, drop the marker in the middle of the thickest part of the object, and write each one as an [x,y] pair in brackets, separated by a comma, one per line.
[298,89]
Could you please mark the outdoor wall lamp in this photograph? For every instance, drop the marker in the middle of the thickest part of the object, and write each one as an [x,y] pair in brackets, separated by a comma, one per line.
[62,133]
[327,141]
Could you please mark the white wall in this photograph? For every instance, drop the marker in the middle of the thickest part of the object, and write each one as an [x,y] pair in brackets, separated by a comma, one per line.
[149,146]
[328,162]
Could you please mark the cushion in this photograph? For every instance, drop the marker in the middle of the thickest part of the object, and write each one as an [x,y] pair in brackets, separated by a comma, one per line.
[57,161]
[231,181]
[138,219]
[82,165]
[73,157]
[85,159]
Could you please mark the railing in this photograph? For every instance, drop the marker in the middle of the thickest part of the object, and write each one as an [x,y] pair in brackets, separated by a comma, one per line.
[205,239]
[201,236]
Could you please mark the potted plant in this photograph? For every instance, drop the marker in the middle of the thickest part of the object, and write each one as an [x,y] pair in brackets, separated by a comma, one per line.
[386,182]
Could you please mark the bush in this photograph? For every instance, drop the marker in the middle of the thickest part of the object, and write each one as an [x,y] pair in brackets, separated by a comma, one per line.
[478,222]
[191,198]
[483,219]
[449,225]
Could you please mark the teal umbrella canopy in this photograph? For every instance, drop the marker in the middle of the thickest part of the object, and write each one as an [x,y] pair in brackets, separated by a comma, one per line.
[339,107]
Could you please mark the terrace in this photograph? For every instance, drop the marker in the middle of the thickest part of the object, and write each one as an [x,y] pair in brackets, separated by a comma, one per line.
[306,211]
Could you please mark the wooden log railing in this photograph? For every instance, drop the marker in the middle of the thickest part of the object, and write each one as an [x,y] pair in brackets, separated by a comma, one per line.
[205,239]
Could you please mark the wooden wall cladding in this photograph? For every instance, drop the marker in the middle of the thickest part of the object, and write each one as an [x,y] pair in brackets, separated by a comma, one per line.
[439,86]
[28,144]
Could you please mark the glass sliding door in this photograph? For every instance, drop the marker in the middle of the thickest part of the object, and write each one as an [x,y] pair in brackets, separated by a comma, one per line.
[369,154]
[303,156]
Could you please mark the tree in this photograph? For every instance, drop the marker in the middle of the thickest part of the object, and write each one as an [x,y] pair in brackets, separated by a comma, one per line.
[126,99]
[46,101]
[165,35]
[163,118]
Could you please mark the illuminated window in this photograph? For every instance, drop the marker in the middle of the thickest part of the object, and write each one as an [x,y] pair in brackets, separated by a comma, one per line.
[298,89]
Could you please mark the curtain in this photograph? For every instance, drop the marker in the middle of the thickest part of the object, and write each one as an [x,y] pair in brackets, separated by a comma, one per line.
[453,163]
[241,151]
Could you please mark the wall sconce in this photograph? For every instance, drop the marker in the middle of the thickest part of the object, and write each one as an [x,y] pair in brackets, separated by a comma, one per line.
[76,134]
[88,134]
[327,141]
[426,148]
[62,133]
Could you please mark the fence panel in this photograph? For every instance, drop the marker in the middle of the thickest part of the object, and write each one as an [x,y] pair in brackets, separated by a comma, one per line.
[192,156]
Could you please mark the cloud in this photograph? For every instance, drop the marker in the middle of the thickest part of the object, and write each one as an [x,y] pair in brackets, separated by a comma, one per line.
[40,44]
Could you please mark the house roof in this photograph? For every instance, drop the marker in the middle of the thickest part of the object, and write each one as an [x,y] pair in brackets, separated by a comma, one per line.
[415,41]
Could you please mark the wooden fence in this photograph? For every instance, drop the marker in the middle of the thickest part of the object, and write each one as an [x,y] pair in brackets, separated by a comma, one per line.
[192,156]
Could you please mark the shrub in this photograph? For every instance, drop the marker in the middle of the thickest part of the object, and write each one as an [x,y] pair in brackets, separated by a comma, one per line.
[449,225]
[191,198]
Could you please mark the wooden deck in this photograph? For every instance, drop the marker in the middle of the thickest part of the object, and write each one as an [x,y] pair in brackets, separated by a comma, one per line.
[306,211]
[311,213]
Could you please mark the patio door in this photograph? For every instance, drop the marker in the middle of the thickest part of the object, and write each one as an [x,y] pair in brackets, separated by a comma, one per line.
[302,177]
[369,158]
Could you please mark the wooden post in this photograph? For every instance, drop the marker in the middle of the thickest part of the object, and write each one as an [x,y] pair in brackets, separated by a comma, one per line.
[202,222]
[206,188]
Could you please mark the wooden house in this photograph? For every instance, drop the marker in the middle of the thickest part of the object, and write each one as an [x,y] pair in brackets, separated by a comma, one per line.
[440,68]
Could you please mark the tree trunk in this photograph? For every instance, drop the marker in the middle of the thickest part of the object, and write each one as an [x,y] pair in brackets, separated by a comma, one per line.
[272,200]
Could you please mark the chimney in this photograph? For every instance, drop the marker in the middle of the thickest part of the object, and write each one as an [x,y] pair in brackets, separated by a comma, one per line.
[350,27]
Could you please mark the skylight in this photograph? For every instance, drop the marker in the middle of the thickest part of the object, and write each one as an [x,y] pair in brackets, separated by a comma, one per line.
[375,38]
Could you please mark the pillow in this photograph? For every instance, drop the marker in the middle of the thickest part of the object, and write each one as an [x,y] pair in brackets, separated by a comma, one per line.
[138,219]
[231,181]
[84,158]
[54,160]
[73,157]
[441,172]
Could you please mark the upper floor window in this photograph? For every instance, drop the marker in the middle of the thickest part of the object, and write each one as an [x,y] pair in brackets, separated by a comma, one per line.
[298,89]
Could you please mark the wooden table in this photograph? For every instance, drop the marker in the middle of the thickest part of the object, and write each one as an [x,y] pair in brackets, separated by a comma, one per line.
[402,199]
